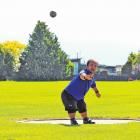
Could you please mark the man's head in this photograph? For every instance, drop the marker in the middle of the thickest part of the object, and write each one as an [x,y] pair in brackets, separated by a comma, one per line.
[92,65]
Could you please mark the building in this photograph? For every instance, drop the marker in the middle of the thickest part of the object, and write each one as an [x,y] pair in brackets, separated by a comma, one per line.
[119,69]
[110,70]
[77,65]
[102,69]
[107,70]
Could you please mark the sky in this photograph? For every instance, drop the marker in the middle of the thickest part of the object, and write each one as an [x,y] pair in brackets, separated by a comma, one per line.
[105,30]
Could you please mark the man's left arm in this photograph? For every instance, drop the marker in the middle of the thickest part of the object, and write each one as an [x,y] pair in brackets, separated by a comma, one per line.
[94,87]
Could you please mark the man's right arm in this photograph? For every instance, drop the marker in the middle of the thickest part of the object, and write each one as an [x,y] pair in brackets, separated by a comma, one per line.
[84,76]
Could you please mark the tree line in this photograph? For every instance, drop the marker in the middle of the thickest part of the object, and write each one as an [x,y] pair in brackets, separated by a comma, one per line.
[40,60]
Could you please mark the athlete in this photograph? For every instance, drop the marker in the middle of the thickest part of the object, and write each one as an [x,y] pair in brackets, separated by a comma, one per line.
[73,95]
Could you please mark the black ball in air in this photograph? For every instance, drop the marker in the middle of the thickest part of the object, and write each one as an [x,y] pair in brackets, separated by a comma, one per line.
[53,14]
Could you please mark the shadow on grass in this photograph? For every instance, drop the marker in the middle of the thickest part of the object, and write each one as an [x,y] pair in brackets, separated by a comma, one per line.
[68,125]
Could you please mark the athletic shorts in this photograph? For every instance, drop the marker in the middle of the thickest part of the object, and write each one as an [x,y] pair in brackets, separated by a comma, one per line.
[71,104]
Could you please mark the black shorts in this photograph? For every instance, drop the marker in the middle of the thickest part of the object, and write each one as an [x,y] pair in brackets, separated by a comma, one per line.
[71,104]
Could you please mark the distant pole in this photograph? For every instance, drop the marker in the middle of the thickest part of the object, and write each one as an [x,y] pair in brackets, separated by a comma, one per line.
[77,55]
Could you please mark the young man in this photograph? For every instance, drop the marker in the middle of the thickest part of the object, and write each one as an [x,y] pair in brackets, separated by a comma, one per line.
[73,94]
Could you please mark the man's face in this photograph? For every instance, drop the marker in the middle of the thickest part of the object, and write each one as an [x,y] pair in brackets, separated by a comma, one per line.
[92,66]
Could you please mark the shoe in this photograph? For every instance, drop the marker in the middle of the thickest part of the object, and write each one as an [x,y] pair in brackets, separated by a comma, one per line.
[74,122]
[88,121]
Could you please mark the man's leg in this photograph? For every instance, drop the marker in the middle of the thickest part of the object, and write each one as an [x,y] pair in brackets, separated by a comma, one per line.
[84,115]
[70,106]
[86,120]
[83,112]
[72,118]
[71,115]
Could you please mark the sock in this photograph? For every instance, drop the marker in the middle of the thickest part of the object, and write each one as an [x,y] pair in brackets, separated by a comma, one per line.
[86,119]
[73,119]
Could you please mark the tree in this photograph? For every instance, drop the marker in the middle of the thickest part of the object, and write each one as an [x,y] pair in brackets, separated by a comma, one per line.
[10,52]
[6,64]
[138,58]
[137,66]
[14,48]
[132,58]
[127,68]
[43,59]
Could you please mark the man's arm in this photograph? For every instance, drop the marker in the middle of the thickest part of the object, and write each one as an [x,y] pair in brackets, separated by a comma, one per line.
[94,87]
[96,91]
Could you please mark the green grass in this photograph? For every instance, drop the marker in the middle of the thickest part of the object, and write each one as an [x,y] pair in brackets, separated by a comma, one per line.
[34,100]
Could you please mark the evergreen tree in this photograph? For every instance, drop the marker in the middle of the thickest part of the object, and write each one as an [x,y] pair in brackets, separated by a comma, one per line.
[43,59]
[127,68]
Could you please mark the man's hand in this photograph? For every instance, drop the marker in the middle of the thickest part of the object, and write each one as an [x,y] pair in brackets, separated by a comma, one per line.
[88,77]
[97,92]
[98,95]
[84,76]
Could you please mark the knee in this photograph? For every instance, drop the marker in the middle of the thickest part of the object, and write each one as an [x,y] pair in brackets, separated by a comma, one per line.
[82,110]
[82,106]
[71,108]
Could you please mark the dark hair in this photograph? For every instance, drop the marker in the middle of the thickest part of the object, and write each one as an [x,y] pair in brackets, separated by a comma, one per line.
[91,60]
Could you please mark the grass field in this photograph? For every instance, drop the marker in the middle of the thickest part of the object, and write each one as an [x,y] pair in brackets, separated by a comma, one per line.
[41,100]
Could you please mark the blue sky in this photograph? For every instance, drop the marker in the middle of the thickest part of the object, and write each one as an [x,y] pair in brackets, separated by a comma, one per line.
[106,30]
